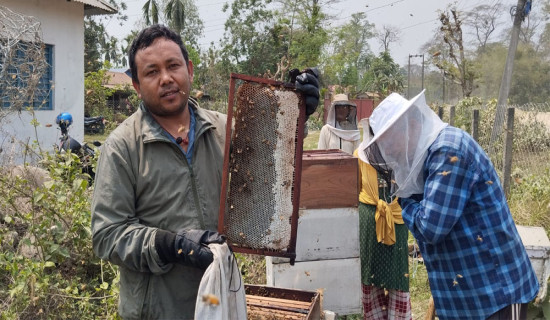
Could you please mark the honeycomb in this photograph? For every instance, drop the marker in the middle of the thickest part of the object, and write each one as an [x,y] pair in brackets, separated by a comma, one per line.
[262,166]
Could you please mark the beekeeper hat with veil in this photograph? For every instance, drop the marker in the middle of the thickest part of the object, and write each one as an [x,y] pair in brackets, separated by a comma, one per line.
[396,139]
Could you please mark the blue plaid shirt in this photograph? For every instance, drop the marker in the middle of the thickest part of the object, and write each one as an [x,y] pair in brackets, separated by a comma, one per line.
[473,253]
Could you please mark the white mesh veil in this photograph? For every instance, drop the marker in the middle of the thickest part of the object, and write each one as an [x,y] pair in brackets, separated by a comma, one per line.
[403,131]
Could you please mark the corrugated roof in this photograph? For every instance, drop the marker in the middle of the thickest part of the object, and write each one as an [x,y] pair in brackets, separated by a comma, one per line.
[97,7]
[117,79]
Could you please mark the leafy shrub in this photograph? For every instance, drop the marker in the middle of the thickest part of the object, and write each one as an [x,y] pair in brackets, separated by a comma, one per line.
[47,265]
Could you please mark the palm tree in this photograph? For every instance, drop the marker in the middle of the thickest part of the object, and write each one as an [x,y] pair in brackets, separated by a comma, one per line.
[175,13]
[151,12]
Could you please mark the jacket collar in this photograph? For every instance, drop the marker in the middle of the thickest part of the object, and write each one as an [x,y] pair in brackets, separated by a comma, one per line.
[152,131]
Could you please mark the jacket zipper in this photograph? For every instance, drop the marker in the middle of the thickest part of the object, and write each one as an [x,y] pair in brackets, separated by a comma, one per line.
[194,183]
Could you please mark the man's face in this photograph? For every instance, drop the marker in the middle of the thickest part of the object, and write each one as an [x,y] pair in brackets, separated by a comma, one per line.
[164,78]
[342,112]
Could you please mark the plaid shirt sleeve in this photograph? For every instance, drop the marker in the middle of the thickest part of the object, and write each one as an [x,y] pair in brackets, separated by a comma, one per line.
[446,193]
[473,253]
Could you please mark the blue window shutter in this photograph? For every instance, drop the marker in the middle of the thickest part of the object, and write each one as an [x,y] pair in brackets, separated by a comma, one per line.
[44,97]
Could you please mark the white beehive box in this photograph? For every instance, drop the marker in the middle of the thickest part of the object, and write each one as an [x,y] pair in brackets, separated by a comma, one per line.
[327,258]
[537,245]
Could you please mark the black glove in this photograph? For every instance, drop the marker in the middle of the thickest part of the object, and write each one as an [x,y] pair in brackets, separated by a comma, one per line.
[189,247]
[307,81]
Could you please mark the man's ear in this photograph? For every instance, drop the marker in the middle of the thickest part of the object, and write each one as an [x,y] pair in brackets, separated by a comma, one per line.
[136,86]
[190,70]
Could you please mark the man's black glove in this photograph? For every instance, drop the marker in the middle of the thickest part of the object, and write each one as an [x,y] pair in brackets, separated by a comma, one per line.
[189,247]
[307,81]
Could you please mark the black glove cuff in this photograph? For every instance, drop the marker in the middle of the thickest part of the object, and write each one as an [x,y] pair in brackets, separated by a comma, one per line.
[165,245]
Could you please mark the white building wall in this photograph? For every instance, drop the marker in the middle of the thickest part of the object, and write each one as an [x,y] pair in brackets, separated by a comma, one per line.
[62,25]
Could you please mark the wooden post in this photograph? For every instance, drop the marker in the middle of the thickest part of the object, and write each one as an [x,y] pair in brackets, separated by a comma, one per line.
[508,145]
[440,112]
[475,125]
[452,116]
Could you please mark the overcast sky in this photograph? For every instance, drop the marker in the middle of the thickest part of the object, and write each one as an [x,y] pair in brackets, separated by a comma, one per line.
[416,19]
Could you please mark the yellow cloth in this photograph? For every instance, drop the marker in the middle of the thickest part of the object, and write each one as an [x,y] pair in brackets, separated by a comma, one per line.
[386,214]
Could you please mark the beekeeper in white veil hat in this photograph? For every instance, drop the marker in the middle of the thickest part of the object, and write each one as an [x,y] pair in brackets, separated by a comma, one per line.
[403,131]
[455,207]
[340,131]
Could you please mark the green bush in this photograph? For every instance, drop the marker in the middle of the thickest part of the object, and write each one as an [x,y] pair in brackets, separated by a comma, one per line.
[47,266]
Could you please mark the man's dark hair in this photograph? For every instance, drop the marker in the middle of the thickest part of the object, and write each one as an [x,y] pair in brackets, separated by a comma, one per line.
[146,37]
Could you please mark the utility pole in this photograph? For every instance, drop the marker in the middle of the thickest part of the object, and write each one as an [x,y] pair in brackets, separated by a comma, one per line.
[507,75]
[409,74]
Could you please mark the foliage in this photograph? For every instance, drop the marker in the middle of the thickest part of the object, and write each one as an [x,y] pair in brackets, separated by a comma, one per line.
[530,198]
[251,42]
[456,66]
[384,75]
[180,15]
[530,80]
[47,265]
[308,35]
[348,55]
[252,268]
[98,45]
[96,94]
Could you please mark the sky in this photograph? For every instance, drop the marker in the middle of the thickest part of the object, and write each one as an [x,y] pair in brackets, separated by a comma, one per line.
[415,19]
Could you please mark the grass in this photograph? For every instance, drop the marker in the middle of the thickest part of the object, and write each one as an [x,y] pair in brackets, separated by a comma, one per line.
[310,142]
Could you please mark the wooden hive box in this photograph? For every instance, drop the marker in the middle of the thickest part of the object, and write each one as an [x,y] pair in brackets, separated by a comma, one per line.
[278,303]
[329,179]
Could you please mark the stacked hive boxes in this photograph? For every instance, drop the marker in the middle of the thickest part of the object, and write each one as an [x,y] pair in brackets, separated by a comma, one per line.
[327,248]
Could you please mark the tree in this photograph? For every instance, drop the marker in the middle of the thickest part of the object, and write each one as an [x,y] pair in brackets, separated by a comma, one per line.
[456,66]
[530,80]
[387,36]
[348,55]
[180,15]
[484,20]
[308,35]
[385,74]
[151,12]
[98,45]
[251,41]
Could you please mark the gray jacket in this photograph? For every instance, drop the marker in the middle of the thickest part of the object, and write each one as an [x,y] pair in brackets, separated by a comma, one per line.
[144,183]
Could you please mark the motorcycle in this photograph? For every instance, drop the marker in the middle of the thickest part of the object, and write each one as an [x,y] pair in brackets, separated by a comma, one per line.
[94,125]
[67,143]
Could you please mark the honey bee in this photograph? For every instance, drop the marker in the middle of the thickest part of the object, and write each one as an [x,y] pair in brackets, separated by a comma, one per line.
[455,283]
[210,299]
[489,182]
[444,173]
[307,273]
[479,238]
[453,159]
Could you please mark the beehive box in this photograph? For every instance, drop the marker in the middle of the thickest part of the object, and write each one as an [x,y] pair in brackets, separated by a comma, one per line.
[264,302]
[537,245]
[327,258]
[329,180]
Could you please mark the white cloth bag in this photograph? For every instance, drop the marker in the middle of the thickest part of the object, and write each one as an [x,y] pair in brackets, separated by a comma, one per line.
[221,293]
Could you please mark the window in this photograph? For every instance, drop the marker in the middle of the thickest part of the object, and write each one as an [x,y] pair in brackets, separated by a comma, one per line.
[17,74]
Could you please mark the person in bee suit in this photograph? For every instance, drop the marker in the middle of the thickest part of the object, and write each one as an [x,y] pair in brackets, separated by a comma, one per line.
[454,205]
[382,243]
[340,131]
[157,192]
